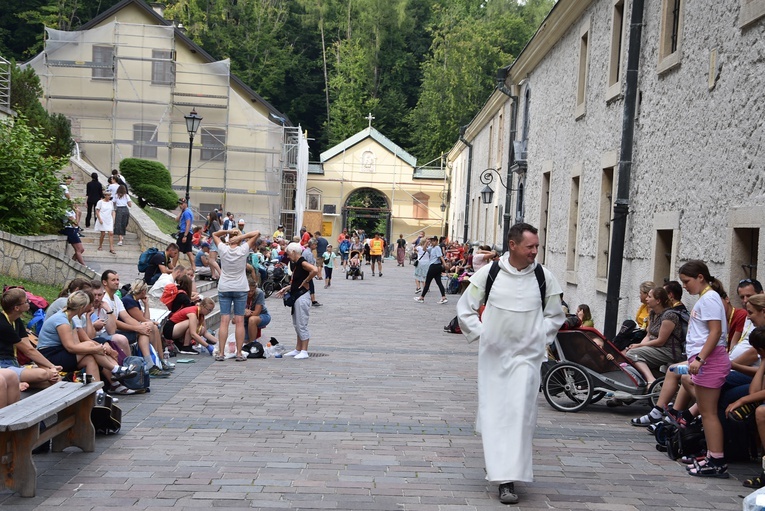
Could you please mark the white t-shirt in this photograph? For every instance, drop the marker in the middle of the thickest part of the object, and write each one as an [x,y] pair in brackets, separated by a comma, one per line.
[709,307]
[233,266]
[114,304]
[121,201]
[113,189]
[159,286]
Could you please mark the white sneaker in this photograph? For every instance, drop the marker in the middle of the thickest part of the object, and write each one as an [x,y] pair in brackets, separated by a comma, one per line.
[291,353]
[419,299]
[302,354]
[443,300]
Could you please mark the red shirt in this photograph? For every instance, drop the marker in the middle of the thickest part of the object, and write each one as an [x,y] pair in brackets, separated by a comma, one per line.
[305,238]
[736,323]
[182,314]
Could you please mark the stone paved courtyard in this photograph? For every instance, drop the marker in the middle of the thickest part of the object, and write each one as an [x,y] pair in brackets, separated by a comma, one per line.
[379,418]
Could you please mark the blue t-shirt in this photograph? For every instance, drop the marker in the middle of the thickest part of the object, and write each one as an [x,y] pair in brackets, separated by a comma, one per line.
[186,215]
[321,244]
[198,259]
[48,337]
[130,303]
[260,299]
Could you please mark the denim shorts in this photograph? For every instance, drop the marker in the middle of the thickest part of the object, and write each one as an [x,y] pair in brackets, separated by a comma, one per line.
[12,364]
[237,298]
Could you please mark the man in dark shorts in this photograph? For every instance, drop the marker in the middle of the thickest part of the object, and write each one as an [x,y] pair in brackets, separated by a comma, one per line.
[321,247]
[376,246]
[161,262]
[185,219]
[71,230]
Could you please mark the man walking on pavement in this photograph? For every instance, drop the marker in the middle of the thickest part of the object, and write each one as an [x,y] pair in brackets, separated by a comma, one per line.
[321,247]
[376,246]
[185,218]
[522,315]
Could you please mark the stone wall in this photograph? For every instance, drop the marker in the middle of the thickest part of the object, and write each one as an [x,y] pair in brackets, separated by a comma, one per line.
[41,259]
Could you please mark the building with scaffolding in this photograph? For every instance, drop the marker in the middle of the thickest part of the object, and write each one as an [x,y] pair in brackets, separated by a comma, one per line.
[5,89]
[127,79]
[368,182]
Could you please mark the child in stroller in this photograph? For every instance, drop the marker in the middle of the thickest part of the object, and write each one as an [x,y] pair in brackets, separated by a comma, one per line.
[354,266]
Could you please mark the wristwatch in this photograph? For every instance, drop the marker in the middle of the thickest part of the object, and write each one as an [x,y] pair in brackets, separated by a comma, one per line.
[110,312]
[700,360]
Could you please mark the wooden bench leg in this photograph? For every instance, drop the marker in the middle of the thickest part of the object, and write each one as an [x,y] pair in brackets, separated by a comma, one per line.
[82,434]
[18,468]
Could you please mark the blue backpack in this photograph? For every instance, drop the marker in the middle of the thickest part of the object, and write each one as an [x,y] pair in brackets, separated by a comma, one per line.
[345,246]
[140,382]
[145,258]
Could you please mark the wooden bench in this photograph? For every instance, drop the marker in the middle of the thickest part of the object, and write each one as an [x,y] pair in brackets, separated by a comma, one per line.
[20,430]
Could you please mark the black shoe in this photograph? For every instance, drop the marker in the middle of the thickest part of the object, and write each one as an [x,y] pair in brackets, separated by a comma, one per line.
[316,304]
[187,350]
[507,493]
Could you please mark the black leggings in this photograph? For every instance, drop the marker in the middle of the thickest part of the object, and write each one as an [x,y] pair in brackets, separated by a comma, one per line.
[434,273]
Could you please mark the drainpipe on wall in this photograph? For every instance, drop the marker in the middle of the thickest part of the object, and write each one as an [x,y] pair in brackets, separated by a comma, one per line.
[469,176]
[621,206]
[501,77]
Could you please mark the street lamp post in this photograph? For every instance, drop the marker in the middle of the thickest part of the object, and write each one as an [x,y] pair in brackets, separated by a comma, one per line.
[192,125]
[487,194]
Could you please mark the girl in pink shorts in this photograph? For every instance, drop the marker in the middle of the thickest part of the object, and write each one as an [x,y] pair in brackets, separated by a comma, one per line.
[708,361]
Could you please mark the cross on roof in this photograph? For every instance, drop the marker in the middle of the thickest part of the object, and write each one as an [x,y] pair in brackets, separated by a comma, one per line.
[370,118]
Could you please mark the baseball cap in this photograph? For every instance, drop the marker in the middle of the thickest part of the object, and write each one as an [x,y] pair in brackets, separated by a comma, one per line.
[204,244]
[241,221]
[181,201]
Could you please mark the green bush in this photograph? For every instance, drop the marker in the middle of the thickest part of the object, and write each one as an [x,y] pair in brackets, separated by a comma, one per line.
[31,199]
[150,181]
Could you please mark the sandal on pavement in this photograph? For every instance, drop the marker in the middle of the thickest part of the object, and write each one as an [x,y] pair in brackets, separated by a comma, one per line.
[240,358]
[121,390]
[645,420]
[709,469]
[755,482]
[219,358]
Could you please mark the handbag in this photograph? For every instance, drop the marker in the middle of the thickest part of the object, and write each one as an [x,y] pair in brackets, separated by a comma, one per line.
[290,298]
[417,261]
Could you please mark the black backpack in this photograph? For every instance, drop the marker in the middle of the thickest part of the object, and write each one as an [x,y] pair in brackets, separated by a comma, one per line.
[453,327]
[678,442]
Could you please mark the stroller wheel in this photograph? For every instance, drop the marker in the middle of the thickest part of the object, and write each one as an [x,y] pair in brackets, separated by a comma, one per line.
[654,389]
[567,387]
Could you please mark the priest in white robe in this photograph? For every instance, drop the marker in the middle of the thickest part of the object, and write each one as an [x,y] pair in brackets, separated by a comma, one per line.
[513,337]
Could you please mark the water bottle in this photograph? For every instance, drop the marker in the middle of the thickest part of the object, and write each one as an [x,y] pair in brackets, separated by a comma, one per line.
[681,369]
[166,357]
[269,351]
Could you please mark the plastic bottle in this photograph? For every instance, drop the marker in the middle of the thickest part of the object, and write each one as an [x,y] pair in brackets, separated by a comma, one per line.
[269,351]
[681,369]
[166,357]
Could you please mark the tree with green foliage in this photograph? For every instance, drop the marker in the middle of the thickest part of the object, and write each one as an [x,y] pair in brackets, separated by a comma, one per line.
[31,200]
[468,48]
[26,92]
[150,181]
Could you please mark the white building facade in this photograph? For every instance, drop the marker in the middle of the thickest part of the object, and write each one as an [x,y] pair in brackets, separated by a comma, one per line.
[695,188]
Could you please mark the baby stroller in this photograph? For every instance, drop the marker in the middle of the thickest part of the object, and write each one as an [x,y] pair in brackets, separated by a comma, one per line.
[584,367]
[354,266]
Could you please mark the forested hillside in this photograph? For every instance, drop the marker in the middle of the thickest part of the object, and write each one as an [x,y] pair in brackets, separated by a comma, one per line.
[421,67]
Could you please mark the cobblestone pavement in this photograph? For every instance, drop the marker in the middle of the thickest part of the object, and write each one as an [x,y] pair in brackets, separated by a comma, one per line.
[379,418]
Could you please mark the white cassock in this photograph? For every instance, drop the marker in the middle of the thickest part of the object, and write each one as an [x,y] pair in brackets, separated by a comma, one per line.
[513,339]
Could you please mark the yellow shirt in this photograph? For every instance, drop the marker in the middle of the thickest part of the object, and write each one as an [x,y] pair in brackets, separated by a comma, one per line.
[641,318]
[277,234]
[375,246]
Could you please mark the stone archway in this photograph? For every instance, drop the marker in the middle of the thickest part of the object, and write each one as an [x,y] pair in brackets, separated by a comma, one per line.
[367,209]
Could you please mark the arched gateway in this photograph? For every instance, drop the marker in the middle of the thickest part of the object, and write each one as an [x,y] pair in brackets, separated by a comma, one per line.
[367,209]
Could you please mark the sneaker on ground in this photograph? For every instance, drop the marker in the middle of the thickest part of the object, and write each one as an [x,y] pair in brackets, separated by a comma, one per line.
[124,372]
[168,367]
[507,493]
[291,353]
[187,350]
[380,275]
[156,372]
[443,300]
[419,299]
[316,304]
[302,354]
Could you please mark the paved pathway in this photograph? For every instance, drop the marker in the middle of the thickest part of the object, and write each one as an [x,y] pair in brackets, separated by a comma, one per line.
[379,418]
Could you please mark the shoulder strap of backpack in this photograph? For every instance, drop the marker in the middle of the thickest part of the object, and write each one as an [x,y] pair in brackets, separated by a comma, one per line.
[539,272]
[493,271]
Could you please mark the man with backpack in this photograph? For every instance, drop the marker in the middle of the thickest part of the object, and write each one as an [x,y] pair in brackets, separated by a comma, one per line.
[521,317]
[161,262]
[345,248]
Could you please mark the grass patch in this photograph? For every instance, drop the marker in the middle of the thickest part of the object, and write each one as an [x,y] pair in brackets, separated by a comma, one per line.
[165,223]
[50,293]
